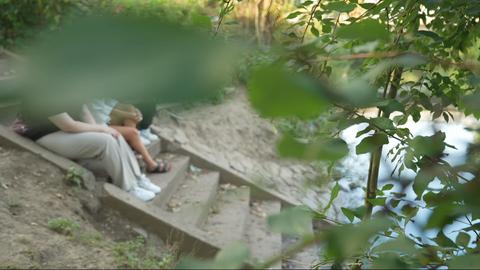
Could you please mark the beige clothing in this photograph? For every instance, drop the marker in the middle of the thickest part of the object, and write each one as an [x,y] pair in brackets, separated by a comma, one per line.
[113,154]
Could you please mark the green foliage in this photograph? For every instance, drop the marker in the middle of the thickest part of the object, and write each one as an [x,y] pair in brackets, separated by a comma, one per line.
[63,226]
[74,177]
[21,20]
[91,239]
[135,254]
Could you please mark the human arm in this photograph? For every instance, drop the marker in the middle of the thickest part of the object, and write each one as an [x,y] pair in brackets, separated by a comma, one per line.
[87,115]
[67,124]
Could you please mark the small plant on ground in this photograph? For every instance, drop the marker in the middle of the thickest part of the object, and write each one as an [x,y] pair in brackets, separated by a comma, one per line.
[134,254]
[63,226]
[91,239]
[74,177]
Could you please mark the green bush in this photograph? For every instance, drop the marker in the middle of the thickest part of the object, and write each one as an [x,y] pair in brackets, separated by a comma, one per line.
[21,19]
[63,226]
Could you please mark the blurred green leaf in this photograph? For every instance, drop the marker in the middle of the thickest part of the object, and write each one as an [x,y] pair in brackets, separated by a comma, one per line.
[463,239]
[402,245]
[344,241]
[340,6]
[428,145]
[383,123]
[364,30]
[275,92]
[294,221]
[314,31]
[325,149]
[294,14]
[333,196]
[443,241]
[389,261]
[232,256]
[444,214]
[471,261]
[392,106]
[387,187]
[377,201]
[348,213]
[202,21]
[422,179]
[356,92]
[371,143]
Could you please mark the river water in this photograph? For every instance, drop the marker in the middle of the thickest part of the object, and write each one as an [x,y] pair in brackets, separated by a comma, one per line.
[353,171]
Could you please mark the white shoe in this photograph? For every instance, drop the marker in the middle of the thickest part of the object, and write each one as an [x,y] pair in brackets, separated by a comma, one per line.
[142,194]
[145,183]
[145,141]
[147,134]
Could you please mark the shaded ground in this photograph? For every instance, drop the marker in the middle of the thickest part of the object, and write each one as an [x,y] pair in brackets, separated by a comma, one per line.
[33,193]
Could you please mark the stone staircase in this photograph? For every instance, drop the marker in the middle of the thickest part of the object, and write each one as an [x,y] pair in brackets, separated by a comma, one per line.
[200,209]
[203,211]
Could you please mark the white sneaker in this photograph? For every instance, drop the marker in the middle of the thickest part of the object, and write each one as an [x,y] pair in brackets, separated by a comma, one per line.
[145,141]
[145,183]
[147,134]
[142,194]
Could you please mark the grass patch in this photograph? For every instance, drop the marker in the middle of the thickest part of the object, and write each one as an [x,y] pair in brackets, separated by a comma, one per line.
[135,254]
[91,239]
[63,226]
[73,177]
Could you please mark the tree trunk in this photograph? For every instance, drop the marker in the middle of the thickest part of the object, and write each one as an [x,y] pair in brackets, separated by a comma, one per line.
[377,154]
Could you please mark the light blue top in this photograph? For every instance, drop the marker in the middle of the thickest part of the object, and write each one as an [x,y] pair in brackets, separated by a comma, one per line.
[101,109]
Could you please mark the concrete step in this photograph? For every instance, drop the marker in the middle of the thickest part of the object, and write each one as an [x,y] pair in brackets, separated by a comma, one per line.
[304,259]
[170,180]
[192,200]
[190,239]
[262,241]
[154,148]
[228,216]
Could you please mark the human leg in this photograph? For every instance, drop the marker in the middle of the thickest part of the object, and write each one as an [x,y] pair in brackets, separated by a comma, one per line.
[132,136]
[95,145]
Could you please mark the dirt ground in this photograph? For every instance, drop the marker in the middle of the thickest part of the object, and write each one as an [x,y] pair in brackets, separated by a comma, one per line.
[232,134]
[34,192]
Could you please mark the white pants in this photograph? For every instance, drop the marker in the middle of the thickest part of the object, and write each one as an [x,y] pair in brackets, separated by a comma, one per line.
[114,154]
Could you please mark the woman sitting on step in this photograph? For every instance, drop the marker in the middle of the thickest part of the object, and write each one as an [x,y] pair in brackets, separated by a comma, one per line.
[75,134]
[124,118]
